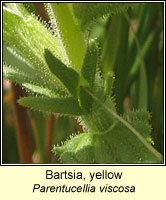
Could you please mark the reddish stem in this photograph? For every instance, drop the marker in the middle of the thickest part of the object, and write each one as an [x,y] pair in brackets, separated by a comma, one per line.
[78,126]
[39,7]
[49,137]
[22,127]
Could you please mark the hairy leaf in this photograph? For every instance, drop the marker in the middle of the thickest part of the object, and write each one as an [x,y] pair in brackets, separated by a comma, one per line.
[29,74]
[19,32]
[18,70]
[118,145]
[68,76]
[99,120]
[112,44]
[113,139]
[19,36]
[78,149]
[90,12]
[18,8]
[90,62]
[108,84]
[72,38]
[65,106]
[85,100]
[40,90]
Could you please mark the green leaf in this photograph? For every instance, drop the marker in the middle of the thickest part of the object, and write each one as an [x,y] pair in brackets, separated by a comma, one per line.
[141,54]
[143,89]
[85,100]
[18,8]
[26,38]
[112,44]
[15,75]
[18,70]
[40,90]
[65,106]
[90,62]
[134,131]
[19,32]
[78,149]
[72,38]
[116,146]
[120,69]
[87,13]
[68,76]
[28,73]
[30,7]
[108,84]
[99,120]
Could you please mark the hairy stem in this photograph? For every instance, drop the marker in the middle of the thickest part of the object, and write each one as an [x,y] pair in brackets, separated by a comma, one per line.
[136,133]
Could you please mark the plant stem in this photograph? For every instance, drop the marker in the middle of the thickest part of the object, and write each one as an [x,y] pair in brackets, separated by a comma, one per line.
[39,7]
[49,137]
[22,127]
[36,136]
[78,126]
[129,126]
[7,97]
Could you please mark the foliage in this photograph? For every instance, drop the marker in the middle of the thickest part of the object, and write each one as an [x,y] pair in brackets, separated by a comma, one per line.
[67,71]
